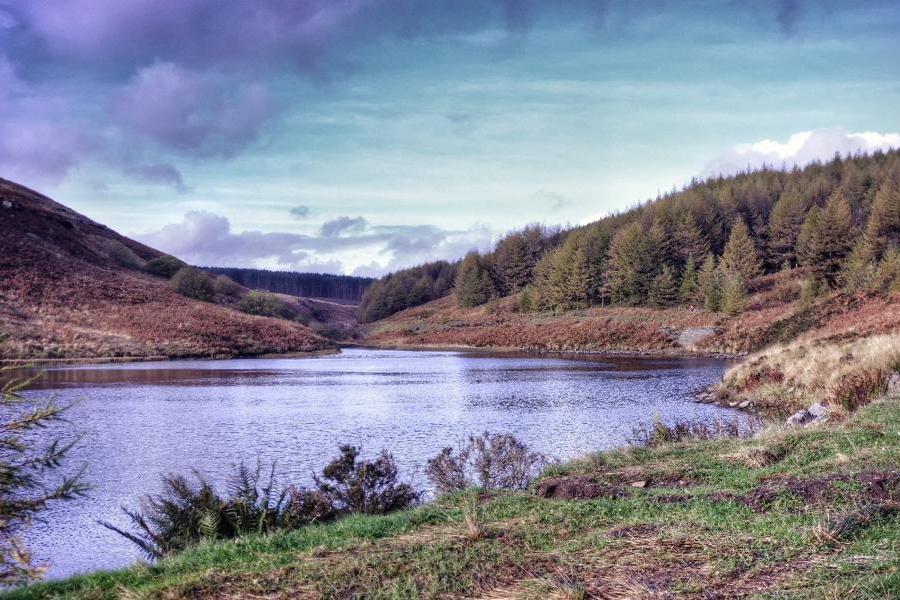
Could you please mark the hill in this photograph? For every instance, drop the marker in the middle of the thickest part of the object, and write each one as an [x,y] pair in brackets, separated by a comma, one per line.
[74,289]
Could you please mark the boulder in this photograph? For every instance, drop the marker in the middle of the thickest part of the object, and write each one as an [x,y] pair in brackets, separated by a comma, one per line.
[799,418]
[816,413]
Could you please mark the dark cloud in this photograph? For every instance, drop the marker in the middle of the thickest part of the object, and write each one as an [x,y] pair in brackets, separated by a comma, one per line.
[207,238]
[159,173]
[342,226]
[188,112]
[553,200]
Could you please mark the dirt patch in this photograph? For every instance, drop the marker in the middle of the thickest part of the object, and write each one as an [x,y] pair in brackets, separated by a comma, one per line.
[578,488]
[871,486]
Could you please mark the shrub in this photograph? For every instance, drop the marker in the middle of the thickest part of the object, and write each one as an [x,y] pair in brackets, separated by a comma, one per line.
[226,286]
[858,388]
[188,512]
[365,486]
[490,461]
[193,283]
[124,256]
[264,304]
[165,266]
[24,488]
[659,433]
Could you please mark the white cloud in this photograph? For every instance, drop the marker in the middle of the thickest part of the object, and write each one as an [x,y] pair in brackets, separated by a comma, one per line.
[800,149]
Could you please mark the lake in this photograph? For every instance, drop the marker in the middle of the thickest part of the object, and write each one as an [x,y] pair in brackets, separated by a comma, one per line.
[140,420]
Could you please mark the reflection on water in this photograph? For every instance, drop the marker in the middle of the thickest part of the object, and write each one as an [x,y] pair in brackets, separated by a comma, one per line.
[143,419]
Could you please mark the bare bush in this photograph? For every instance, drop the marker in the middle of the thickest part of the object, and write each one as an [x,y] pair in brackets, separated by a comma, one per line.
[491,461]
[365,486]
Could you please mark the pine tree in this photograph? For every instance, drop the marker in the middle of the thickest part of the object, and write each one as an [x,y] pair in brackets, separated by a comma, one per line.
[473,283]
[883,228]
[689,285]
[664,290]
[690,242]
[709,281]
[827,238]
[785,223]
[511,264]
[632,265]
[734,293]
[661,232]
[739,256]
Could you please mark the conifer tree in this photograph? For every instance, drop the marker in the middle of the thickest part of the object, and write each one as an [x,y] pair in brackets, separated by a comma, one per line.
[689,286]
[709,281]
[827,238]
[690,242]
[632,265]
[785,223]
[473,283]
[664,291]
[883,228]
[734,293]
[740,256]
[511,264]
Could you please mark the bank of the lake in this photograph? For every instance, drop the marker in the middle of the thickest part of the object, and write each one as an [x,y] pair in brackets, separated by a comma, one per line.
[799,513]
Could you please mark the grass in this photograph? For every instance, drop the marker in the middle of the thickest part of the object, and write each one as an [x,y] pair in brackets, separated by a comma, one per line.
[810,513]
[783,379]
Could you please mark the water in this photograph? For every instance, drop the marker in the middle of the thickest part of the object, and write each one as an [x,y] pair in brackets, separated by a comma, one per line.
[143,419]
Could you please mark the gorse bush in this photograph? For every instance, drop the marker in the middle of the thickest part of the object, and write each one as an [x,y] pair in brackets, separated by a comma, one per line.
[165,266]
[264,304]
[193,283]
[226,286]
[188,512]
[490,461]
[24,466]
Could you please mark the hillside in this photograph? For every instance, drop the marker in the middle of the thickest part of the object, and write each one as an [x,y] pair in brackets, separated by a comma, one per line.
[775,313]
[74,289]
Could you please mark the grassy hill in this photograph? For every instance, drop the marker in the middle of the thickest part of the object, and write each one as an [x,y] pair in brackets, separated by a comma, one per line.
[74,289]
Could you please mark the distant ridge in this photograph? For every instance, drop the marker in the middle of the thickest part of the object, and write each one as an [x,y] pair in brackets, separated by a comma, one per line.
[346,288]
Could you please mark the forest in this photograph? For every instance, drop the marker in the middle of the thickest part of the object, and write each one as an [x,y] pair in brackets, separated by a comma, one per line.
[345,288]
[698,246]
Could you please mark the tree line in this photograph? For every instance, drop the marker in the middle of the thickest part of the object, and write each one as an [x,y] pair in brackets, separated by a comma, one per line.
[346,288]
[701,245]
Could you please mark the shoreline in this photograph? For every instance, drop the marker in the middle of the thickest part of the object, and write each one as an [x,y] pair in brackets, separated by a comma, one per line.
[112,360]
[674,353]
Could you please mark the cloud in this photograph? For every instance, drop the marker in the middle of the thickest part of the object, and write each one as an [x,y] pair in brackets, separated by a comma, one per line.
[300,212]
[800,149]
[188,112]
[343,225]
[205,238]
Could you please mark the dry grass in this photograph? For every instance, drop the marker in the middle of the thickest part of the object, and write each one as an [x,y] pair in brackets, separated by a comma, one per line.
[785,378]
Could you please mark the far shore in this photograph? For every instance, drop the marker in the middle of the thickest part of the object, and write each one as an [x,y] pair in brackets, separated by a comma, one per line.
[102,360]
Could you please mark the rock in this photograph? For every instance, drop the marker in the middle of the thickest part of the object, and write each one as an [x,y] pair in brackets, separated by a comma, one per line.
[801,417]
[745,404]
[639,484]
[818,410]
[893,387]
[816,413]
[733,404]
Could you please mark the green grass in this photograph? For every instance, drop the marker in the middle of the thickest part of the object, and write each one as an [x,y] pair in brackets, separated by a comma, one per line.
[717,517]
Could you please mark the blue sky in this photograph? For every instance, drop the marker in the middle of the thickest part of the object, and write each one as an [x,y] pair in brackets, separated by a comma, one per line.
[364,135]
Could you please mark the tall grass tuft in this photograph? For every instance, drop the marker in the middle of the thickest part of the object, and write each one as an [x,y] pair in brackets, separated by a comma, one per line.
[658,432]
[859,388]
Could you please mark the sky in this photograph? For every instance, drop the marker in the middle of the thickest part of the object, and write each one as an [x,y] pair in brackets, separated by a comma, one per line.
[361,136]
